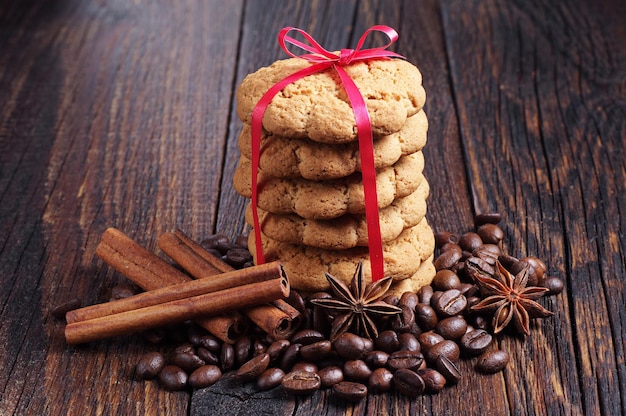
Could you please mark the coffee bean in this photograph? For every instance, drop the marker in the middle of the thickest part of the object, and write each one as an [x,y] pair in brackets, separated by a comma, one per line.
[277,348]
[476,265]
[488,218]
[243,347]
[391,300]
[227,357]
[216,241]
[492,361]
[538,265]
[60,310]
[470,241]
[350,391]
[290,357]
[446,279]
[487,252]
[376,359]
[507,260]
[448,369]
[185,348]
[350,346]
[252,369]
[476,342]
[424,294]
[307,336]
[387,341]
[429,339]
[452,328]
[237,256]
[490,233]
[450,247]
[405,359]
[404,321]
[443,237]
[380,380]
[173,378]
[301,383]
[409,299]
[426,316]
[409,342]
[207,356]
[304,366]
[408,382]
[479,322]
[356,370]
[149,365]
[553,284]
[434,381]
[258,347]
[316,351]
[447,259]
[296,300]
[518,266]
[270,378]
[188,361]
[205,376]
[330,375]
[122,291]
[467,289]
[447,348]
[450,303]
[211,343]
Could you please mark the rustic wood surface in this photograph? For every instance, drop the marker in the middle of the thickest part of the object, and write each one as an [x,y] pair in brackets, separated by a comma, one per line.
[119,113]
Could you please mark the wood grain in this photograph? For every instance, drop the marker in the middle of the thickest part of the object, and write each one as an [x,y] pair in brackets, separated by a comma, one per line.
[118,113]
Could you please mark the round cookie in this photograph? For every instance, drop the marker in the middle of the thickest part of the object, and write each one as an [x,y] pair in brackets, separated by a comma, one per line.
[317,106]
[422,277]
[284,157]
[306,266]
[348,230]
[332,198]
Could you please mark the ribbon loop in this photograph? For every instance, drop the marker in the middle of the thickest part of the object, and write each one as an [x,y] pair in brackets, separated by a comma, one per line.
[322,60]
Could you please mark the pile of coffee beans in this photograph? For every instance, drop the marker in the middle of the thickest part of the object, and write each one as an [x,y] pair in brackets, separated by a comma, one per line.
[416,352]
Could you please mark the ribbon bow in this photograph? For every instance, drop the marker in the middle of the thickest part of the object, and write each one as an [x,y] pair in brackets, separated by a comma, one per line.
[323,59]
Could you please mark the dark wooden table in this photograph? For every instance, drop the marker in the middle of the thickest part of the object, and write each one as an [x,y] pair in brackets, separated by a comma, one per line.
[121,113]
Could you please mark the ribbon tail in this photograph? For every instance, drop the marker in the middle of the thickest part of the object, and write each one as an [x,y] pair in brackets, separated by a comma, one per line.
[368,171]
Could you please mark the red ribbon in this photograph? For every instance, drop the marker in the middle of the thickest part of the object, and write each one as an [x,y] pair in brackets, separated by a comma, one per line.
[323,59]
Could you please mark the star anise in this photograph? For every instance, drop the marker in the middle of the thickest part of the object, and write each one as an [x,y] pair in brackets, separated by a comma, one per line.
[509,298]
[358,307]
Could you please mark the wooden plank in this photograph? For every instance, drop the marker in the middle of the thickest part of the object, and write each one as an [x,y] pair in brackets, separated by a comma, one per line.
[112,114]
[535,84]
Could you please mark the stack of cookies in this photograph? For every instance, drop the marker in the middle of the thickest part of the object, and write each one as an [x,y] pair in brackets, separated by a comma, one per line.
[310,193]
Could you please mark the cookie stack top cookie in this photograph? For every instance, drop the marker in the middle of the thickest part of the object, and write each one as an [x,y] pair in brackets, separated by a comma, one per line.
[310,196]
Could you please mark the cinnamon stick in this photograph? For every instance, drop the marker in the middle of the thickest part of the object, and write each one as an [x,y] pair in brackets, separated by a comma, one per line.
[149,272]
[146,269]
[279,319]
[177,311]
[188,289]
[214,261]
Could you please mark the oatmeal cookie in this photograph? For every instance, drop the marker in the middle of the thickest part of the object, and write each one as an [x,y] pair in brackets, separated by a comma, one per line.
[306,266]
[317,107]
[332,198]
[284,157]
[348,230]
